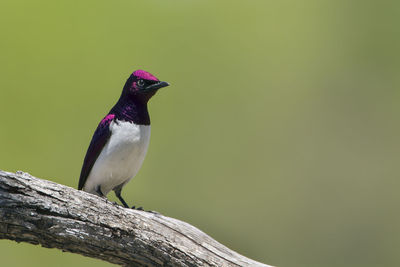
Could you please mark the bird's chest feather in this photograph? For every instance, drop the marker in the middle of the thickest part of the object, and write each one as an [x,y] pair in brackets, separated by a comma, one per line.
[121,157]
[125,150]
[127,141]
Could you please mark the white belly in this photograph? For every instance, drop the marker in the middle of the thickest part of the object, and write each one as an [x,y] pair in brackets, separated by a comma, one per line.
[121,157]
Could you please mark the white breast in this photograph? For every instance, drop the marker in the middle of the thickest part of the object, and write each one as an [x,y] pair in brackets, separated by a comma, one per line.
[121,157]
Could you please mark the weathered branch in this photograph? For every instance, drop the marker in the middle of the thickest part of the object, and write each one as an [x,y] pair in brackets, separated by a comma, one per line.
[56,216]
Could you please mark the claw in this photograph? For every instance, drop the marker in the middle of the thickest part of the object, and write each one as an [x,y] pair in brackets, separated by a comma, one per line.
[153,211]
[139,208]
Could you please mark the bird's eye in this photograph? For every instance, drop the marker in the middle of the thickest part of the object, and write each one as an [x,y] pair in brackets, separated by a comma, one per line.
[140,83]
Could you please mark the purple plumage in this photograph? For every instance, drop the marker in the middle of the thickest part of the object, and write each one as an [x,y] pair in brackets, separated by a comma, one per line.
[124,134]
[99,139]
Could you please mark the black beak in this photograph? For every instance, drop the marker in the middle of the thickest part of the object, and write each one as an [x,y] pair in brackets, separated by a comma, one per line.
[156,86]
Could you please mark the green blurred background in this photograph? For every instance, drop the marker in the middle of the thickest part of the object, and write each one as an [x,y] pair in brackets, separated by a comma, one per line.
[279,136]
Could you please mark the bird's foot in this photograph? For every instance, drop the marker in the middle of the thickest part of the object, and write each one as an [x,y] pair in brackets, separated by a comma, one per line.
[153,211]
[149,211]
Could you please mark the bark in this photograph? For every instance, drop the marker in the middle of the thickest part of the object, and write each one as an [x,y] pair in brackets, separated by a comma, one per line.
[56,216]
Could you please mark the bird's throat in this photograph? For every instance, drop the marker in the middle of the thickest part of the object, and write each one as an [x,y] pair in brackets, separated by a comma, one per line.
[131,110]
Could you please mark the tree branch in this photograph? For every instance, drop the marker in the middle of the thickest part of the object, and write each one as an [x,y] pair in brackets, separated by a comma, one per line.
[56,216]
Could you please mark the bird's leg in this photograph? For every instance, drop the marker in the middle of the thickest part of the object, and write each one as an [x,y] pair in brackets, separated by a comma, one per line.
[98,191]
[117,191]
[118,194]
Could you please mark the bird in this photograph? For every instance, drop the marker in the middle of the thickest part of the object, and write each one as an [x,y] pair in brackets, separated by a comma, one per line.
[119,144]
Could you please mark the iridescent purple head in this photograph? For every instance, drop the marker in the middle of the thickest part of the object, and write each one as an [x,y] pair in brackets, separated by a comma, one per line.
[142,74]
[142,85]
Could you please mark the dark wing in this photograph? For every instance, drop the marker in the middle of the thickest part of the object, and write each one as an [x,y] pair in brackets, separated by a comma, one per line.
[99,139]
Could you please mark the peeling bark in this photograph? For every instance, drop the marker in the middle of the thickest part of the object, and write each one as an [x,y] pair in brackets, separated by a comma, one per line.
[56,216]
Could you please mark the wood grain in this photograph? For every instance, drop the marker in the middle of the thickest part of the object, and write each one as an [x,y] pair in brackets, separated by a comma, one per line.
[56,216]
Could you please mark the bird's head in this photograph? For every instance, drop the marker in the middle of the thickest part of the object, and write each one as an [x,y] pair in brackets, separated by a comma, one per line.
[143,85]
